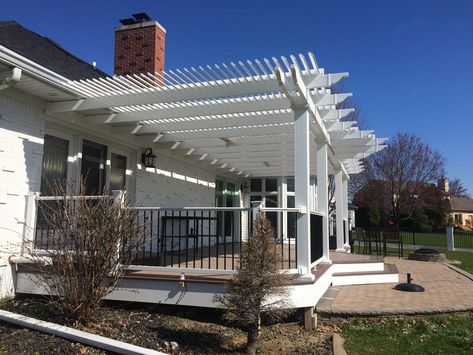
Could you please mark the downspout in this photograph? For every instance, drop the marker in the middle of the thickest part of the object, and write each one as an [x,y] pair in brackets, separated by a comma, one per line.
[10,80]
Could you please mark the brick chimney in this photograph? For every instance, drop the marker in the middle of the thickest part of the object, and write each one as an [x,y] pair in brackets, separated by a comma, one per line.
[139,46]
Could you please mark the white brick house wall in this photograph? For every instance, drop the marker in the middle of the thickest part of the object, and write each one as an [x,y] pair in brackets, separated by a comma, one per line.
[21,151]
[175,184]
[22,128]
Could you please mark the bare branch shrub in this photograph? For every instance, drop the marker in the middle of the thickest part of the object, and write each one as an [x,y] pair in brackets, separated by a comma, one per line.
[90,243]
[259,285]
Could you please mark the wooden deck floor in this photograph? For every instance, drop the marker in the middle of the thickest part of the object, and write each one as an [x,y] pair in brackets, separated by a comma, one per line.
[225,257]
[206,275]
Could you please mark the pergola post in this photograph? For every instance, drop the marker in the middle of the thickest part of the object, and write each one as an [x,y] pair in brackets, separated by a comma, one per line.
[345,212]
[302,182]
[322,194]
[340,210]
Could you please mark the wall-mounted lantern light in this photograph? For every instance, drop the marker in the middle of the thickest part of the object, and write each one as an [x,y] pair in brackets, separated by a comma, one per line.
[244,187]
[148,158]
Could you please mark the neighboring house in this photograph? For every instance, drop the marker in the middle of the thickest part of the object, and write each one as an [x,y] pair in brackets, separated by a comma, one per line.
[462,211]
[223,137]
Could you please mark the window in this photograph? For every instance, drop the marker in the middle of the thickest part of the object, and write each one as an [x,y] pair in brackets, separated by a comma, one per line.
[93,171]
[225,197]
[219,190]
[117,172]
[54,169]
[291,186]
[271,185]
[256,185]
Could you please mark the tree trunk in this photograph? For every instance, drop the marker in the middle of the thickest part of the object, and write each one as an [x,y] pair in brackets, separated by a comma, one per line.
[252,342]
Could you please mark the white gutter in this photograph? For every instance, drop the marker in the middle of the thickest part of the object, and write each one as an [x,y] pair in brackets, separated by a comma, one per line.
[11,80]
[29,67]
[96,341]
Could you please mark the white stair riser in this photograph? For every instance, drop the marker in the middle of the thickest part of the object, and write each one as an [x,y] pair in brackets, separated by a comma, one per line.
[364,279]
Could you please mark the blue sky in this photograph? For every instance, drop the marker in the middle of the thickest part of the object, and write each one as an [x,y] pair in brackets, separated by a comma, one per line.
[410,62]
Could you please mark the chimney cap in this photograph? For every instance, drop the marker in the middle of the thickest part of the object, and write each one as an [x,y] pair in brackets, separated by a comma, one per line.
[141,17]
[137,18]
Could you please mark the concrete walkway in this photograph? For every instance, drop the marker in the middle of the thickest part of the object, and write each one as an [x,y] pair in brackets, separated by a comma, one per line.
[446,290]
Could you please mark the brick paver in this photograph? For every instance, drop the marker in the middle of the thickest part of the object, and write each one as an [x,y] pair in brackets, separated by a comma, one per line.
[445,291]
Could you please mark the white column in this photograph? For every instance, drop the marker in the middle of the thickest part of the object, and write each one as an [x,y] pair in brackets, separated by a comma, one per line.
[255,208]
[339,210]
[302,182]
[29,228]
[345,211]
[450,239]
[322,193]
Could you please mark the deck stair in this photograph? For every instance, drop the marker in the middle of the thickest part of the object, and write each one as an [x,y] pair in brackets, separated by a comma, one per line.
[389,274]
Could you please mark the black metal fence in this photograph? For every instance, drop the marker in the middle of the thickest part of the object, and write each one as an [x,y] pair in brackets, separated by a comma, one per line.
[463,239]
[374,242]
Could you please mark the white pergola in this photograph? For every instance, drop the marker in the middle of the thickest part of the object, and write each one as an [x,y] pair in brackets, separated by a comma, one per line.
[256,118]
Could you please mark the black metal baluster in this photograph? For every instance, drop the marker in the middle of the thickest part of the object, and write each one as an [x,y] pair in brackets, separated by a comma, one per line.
[287,237]
[209,238]
[164,238]
[179,239]
[143,247]
[158,239]
[187,236]
[295,243]
[172,238]
[248,214]
[233,239]
[150,257]
[195,241]
[217,253]
[201,239]
[224,243]
[282,241]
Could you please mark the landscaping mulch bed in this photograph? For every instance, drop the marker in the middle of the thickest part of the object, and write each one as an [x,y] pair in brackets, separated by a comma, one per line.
[175,330]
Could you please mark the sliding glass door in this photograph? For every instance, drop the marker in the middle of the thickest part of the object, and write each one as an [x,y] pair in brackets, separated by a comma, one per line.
[93,172]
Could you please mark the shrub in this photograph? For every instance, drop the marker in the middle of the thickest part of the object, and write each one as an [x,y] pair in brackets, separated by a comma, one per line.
[259,285]
[90,244]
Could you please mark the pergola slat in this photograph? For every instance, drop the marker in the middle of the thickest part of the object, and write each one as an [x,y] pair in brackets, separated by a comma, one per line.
[237,117]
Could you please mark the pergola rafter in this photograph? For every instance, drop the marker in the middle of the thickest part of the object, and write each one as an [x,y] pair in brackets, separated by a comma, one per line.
[212,110]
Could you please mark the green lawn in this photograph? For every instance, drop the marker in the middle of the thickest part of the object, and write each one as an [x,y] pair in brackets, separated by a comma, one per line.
[465,258]
[428,335]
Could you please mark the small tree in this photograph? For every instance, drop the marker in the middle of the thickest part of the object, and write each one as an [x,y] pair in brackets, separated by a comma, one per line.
[398,175]
[259,285]
[90,243]
[457,189]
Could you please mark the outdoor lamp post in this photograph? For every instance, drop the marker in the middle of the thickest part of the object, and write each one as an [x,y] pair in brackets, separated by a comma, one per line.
[148,158]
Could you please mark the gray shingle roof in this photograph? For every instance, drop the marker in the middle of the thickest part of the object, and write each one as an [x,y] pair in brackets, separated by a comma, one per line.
[45,52]
[461,204]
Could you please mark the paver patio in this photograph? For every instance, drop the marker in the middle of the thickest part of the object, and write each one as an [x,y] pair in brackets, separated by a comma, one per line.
[446,290]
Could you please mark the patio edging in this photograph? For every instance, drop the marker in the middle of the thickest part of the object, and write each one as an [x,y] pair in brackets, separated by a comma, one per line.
[72,334]
[460,271]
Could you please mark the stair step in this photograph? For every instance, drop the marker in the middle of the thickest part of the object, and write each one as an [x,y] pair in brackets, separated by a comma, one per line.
[388,269]
[390,274]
